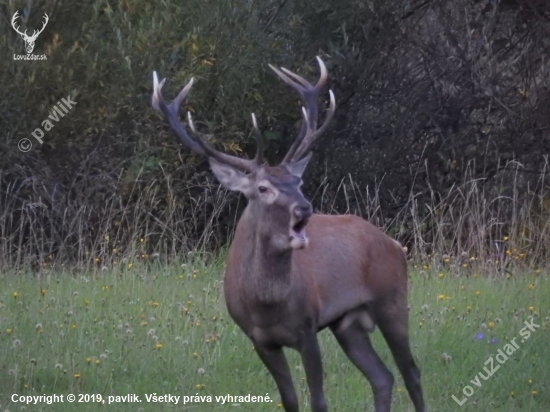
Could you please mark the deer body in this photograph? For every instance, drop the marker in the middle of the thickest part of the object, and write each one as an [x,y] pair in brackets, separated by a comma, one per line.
[337,275]
[282,286]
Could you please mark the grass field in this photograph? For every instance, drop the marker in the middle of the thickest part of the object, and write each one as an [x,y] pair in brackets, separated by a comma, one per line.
[165,330]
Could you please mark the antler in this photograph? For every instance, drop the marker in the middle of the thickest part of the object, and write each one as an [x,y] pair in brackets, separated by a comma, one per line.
[309,94]
[194,142]
[16,28]
[35,32]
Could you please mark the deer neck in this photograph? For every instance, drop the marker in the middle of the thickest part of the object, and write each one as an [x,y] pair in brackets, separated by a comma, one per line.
[266,263]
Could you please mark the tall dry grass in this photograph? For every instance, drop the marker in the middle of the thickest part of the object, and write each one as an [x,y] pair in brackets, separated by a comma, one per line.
[111,222]
[499,223]
[477,223]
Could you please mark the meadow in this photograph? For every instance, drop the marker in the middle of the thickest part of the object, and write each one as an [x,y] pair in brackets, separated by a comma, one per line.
[144,329]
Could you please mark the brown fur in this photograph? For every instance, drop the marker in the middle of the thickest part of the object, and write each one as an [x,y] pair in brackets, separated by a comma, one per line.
[346,257]
[350,277]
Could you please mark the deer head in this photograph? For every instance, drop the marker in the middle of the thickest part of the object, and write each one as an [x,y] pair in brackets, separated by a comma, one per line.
[29,40]
[278,211]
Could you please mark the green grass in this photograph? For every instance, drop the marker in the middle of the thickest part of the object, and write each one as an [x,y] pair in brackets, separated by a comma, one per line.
[165,330]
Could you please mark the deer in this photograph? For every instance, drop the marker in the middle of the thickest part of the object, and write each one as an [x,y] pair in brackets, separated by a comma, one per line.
[29,40]
[282,287]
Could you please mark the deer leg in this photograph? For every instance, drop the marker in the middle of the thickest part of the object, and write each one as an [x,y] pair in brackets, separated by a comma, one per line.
[311,359]
[356,344]
[275,361]
[394,328]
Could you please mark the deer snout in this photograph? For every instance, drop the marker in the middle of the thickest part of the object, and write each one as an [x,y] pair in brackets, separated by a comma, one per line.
[303,211]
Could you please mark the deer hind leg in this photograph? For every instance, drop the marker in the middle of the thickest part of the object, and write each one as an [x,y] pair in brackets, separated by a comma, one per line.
[393,324]
[275,361]
[355,341]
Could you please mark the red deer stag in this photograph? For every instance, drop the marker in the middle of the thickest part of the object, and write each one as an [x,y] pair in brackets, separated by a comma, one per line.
[282,287]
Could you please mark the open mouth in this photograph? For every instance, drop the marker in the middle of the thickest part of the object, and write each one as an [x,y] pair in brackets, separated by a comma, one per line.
[298,228]
[298,238]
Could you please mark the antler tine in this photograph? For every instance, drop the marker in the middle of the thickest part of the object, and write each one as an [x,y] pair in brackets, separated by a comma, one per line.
[308,141]
[322,78]
[46,20]
[259,143]
[194,142]
[309,94]
[288,80]
[35,32]
[298,141]
[171,116]
[13,22]
[243,164]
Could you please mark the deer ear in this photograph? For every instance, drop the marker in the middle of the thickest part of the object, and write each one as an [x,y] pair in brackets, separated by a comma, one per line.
[230,177]
[298,168]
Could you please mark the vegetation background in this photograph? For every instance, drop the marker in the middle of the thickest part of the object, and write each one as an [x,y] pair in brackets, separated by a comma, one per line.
[112,236]
[441,134]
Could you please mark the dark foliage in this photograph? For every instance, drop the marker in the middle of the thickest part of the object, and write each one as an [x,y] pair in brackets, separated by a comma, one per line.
[430,94]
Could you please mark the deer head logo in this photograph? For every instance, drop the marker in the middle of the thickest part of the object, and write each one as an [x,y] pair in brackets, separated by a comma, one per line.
[29,40]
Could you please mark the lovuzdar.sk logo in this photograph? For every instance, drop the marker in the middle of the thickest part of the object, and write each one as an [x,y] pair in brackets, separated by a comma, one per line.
[28,39]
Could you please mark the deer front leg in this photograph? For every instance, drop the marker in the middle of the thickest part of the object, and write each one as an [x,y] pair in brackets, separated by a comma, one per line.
[275,361]
[311,358]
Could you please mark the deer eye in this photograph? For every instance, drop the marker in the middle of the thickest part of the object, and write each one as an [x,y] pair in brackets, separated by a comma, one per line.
[262,189]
